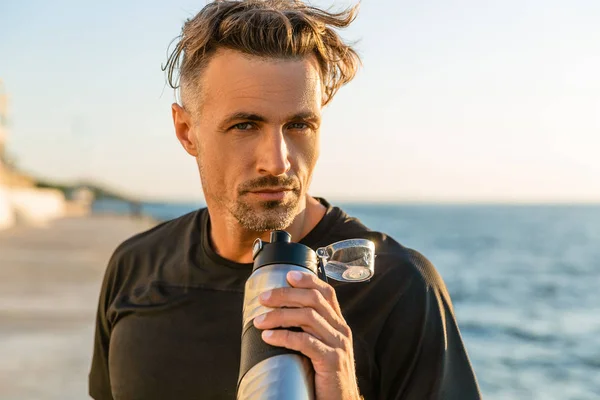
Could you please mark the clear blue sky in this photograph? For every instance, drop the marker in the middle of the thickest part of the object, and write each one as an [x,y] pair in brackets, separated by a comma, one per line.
[457,100]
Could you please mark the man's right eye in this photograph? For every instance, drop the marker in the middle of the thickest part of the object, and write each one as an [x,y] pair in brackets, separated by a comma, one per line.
[244,126]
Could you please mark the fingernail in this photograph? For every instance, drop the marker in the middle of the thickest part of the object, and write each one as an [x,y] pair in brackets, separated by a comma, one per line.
[265,295]
[260,318]
[267,334]
[295,276]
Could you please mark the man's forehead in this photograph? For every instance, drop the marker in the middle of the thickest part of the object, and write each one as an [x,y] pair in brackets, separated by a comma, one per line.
[229,56]
[235,80]
[233,68]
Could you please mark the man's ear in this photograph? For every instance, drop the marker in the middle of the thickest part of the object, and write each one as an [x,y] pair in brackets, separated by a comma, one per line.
[182,121]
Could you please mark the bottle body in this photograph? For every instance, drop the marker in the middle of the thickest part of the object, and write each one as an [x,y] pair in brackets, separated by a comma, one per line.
[269,372]
[286,376]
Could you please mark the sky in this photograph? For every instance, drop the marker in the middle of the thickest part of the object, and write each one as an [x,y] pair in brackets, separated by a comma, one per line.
[457,101]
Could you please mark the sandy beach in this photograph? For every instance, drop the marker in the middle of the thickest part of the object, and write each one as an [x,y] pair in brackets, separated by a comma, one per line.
[49,281]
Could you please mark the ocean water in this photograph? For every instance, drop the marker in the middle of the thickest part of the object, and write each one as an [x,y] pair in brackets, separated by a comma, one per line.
[525,283]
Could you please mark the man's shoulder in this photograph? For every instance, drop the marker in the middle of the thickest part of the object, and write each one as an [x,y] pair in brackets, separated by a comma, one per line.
[397,266]
[164,235]
[405,277]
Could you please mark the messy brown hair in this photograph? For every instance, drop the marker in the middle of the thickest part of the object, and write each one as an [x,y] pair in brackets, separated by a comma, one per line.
[267,28]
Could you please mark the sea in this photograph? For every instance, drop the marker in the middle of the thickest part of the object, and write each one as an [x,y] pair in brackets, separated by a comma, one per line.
[524,281]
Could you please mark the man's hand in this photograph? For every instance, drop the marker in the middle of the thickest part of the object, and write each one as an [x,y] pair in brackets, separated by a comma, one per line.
[326,340]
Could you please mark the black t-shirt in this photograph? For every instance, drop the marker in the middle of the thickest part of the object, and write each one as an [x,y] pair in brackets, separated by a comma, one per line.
[170,318]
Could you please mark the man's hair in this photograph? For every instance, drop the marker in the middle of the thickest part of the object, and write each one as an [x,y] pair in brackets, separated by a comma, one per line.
[285,29]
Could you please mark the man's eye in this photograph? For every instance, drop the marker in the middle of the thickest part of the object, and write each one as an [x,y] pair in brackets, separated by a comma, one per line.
[298,125]
[244,126]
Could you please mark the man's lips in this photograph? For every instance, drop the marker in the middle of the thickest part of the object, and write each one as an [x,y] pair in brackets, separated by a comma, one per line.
[271,194]
[271,190]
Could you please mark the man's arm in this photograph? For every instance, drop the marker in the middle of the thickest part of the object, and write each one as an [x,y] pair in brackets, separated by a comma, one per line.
[99,378]
[421,329]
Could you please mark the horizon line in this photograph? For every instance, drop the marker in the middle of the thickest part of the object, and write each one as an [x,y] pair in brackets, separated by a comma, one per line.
[411,202]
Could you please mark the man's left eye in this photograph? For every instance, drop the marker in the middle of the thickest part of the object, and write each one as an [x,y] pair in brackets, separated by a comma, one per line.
[297,125]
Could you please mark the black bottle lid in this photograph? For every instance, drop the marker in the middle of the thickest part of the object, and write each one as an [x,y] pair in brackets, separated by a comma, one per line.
[281,250]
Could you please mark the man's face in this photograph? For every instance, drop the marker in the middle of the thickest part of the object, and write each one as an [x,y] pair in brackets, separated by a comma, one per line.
[256,129]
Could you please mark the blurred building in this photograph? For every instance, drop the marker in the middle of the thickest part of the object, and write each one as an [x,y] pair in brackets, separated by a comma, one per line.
[20,200]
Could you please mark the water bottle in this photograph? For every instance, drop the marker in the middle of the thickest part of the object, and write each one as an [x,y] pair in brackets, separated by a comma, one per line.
[269,372]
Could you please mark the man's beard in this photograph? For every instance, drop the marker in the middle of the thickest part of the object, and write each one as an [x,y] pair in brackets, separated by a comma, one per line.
[267,215]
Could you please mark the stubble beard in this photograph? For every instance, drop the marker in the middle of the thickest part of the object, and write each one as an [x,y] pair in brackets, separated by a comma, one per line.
[262,217]
[267,215]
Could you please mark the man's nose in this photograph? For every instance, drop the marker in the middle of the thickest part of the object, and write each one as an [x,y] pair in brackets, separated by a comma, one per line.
[273,154]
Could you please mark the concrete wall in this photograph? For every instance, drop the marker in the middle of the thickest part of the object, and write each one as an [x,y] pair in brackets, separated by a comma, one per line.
[7,213]
[30,206]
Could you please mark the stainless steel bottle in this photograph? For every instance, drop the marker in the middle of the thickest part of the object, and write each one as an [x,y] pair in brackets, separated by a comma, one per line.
[268,372]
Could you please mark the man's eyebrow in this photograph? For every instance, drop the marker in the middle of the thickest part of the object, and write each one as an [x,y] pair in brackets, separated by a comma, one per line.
[246,116]
[243,116]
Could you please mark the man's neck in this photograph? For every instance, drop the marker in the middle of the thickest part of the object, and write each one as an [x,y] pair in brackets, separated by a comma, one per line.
[234,243]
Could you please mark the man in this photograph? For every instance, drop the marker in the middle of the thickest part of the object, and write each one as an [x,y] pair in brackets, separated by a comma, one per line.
[253,78]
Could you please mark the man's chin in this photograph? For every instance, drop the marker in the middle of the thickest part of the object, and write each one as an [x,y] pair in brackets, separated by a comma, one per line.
[275,205]
[288,201]
[266,215]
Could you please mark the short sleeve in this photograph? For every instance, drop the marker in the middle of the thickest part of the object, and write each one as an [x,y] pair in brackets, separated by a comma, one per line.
[99,378]
[420,351]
